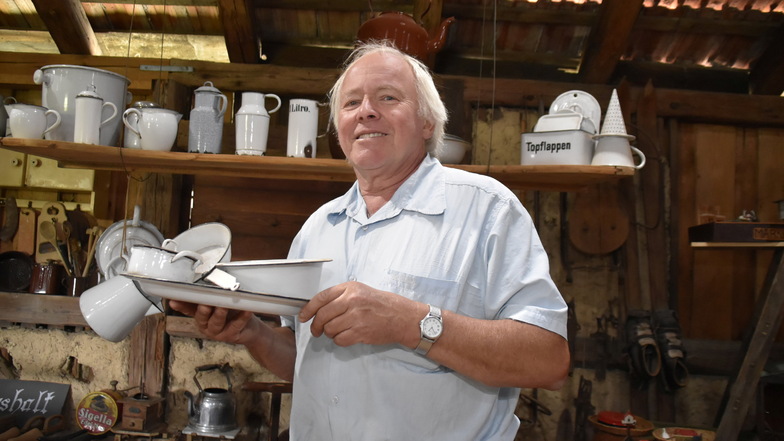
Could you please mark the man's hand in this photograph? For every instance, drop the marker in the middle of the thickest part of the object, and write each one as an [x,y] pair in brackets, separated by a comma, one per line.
[352,313]
[221,324]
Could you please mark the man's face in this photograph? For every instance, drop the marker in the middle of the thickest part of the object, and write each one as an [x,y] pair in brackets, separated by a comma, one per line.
[379,128]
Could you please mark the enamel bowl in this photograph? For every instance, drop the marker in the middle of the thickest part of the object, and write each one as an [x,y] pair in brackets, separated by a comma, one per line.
[211,240]
[453,150]
[293,278]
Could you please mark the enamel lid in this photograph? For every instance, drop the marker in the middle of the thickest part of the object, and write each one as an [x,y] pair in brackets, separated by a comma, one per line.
[208,87]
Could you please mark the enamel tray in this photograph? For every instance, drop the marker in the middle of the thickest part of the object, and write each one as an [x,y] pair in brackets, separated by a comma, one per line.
[216,296]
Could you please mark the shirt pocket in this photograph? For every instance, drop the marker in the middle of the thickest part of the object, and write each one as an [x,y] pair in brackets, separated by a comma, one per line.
[451,295]
[439,292]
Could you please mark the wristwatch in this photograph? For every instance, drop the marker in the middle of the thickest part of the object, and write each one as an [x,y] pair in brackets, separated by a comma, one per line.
[430,328]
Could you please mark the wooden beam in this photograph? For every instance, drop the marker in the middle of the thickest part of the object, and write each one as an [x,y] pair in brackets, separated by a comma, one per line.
[147,357]
[608,39]
[40,308]
[684,104]
[767,73]
[654,189]
[241,40]
[724,108]
[343,5]
[159,2]
[522,13]
[68,25]
[704,24]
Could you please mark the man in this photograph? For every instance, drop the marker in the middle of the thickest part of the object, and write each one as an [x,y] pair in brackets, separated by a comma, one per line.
[437,304]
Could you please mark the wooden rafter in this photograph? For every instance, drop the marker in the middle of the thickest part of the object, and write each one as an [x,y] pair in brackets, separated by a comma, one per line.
[767,74]
[68,26]
[238,30]
[608,39]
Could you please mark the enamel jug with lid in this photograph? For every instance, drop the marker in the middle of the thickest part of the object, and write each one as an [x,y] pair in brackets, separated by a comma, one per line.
[88,116]
[206,120]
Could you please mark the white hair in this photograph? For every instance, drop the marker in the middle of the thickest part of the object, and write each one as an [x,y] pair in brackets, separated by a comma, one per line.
[431,107]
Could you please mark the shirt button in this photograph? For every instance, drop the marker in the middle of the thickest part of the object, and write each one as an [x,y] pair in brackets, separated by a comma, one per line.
[364,228]
[352,279]
[335,400]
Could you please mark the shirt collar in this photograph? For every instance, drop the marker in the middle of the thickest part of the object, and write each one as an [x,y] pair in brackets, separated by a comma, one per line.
[423,192]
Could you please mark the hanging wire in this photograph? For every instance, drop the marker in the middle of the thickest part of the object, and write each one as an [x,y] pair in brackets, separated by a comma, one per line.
[492,97]
[160,63]
[128,174]
[481,76]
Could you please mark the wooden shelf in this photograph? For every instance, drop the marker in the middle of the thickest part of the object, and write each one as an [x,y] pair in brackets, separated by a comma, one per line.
[40,309]
[68,154]
[737,244]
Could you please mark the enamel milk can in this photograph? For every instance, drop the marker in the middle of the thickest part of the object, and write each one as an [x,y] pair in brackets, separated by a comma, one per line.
[206,120]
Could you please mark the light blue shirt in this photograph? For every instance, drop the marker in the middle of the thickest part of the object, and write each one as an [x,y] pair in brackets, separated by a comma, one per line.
[454,239]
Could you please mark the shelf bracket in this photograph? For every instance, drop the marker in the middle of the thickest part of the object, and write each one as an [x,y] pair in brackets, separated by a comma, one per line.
[155,68]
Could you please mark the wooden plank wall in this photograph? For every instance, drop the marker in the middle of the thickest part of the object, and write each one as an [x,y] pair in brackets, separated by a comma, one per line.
[263,215]
[723,169]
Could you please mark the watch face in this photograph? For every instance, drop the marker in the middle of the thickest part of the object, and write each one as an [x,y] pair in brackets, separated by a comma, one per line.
[432,327]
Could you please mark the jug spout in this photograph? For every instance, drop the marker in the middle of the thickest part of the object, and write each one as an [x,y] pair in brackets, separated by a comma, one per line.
[436,43]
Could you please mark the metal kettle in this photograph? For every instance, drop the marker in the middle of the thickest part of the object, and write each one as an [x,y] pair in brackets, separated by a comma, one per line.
[213,411]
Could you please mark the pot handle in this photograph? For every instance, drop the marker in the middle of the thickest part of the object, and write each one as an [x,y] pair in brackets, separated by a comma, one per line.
[276,98]
[224,103]
[639,153]
[225,368]
[116,266]
[56,122]
[187,253]
[128,124]
[114,112]
[39,77]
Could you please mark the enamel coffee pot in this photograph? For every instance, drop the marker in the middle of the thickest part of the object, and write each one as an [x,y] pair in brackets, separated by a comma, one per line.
[88,112]
[206,120]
